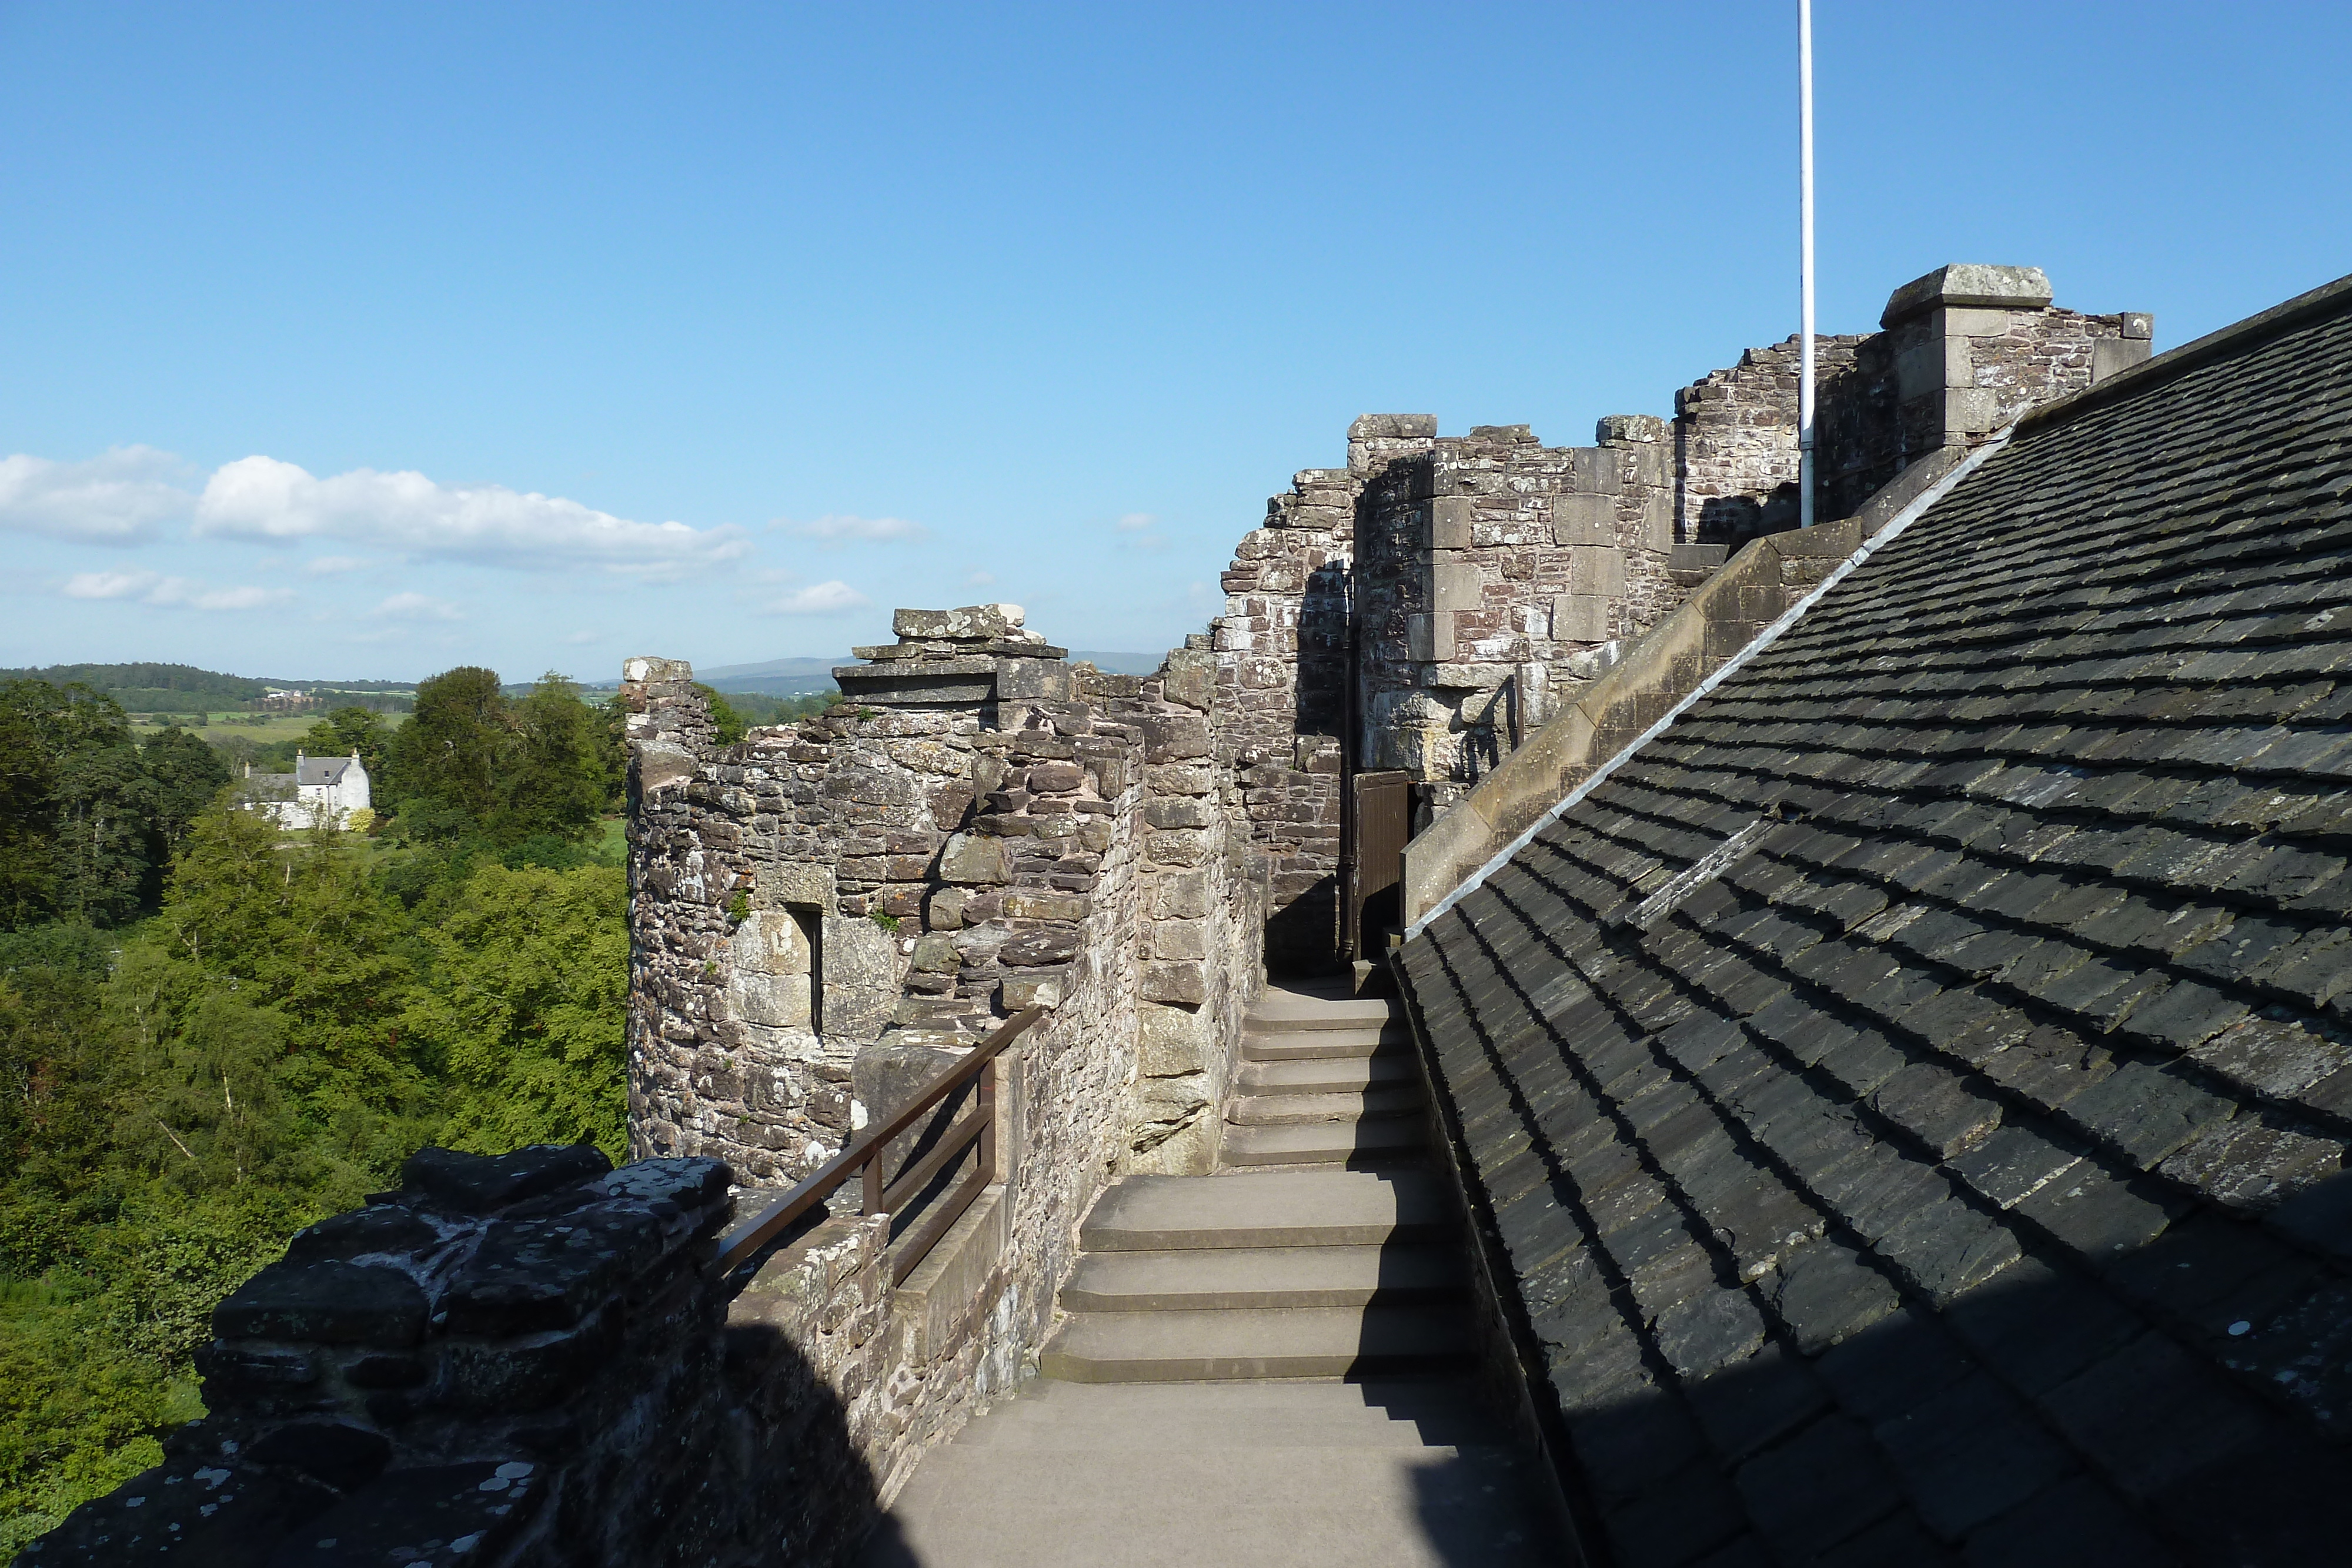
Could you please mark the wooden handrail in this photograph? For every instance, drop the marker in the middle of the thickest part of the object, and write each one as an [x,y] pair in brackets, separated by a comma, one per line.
[866,1150]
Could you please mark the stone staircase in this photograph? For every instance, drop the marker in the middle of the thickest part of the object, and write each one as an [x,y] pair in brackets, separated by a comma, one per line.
[1265,1365]
[1324,1248]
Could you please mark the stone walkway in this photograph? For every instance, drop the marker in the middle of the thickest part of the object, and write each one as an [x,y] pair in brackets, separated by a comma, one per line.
[1264,1366]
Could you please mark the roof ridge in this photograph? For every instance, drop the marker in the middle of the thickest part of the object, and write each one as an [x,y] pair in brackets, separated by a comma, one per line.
[2151,373]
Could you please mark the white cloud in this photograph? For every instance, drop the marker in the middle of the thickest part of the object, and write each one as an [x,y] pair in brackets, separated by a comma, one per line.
[840,528]
[979,578]
[117,497]
[415,607]
[1135,522]
[578,638]
[326,564]
[264,499]
[154,587]
[818,598]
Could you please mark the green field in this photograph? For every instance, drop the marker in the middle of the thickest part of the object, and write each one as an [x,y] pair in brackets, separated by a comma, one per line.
[259,728]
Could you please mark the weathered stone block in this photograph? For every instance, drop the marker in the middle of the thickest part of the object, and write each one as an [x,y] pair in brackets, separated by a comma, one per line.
[1596,570]
[1179,811]
[1180,939]
[1035,949]
[325,1303]
[972,859]
[1450,519]
[1579,618]
[1172,1040]
[1583,519]
[1180,779]
[1031,905]
[1033,988]
[2110,356]
[1658,521]
[1429,638]
[936,955]
[1970,411]
[1456,585]
[972,622]
[1191,680]
[1174,981]
[1173,738]
[1177,846]
[1182,896]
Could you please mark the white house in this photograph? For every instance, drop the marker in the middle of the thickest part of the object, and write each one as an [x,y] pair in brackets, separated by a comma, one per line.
[322,791]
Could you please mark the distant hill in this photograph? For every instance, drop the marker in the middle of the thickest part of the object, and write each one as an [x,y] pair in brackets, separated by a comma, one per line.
[183,688]
[1119,664]
[775,679]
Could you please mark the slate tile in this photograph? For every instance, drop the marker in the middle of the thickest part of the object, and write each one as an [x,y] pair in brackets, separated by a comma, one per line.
[2284,1499]
[1878,1189]
[2275,1057]
[1861,1059]
[2249,1164]
[1892,1365]
[1897,1541]
[1710,1328]
[2098,1216]
[2320,1217]
[1823,1292]
[2049,1066]
[2305,1354]
[2013,1163]
[2077,1523]
[1624,1201]
[1810,1492]
[1947,1247]
[2149,1417]
[1749,1405]
[1935,1106]
[1744,1551]
[1604,1372]
[2144,1113]
[1626,1448]
[1964,1022]
[2037,1326]
[1684,1517]
[1970,1454]
[2185,1016]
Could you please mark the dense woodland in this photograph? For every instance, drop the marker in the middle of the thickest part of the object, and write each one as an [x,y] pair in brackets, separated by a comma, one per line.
[212,1031]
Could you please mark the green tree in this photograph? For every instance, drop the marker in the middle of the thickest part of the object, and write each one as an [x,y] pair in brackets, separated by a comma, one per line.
[185,773]
[352,729]
[81,800]
[554,774]
[453,747]
[524,1002]
[730,724]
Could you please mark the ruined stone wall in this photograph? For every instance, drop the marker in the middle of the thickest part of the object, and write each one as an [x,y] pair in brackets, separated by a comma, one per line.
[526,1361]
[1962,352]
[1493,577]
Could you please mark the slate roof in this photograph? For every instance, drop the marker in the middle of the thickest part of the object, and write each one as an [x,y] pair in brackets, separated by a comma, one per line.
[1907,1095]
[315,771]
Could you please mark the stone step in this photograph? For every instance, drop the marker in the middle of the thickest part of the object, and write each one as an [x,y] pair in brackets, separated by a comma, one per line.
[1280,1010]
[1268,1208]
[1324,1143]
[1323,1044]
[1231,1505]
[1047,1416]
[1299,1341]
[1327,1074]
[1262,1277]
[1248,1110]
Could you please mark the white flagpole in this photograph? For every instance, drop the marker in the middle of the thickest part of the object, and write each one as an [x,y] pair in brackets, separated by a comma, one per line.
[1805,261]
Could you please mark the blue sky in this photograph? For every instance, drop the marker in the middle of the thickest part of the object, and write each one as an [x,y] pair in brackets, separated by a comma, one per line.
[362,341]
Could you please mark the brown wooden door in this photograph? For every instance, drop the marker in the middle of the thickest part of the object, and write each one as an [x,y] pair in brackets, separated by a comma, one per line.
[1382,820]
